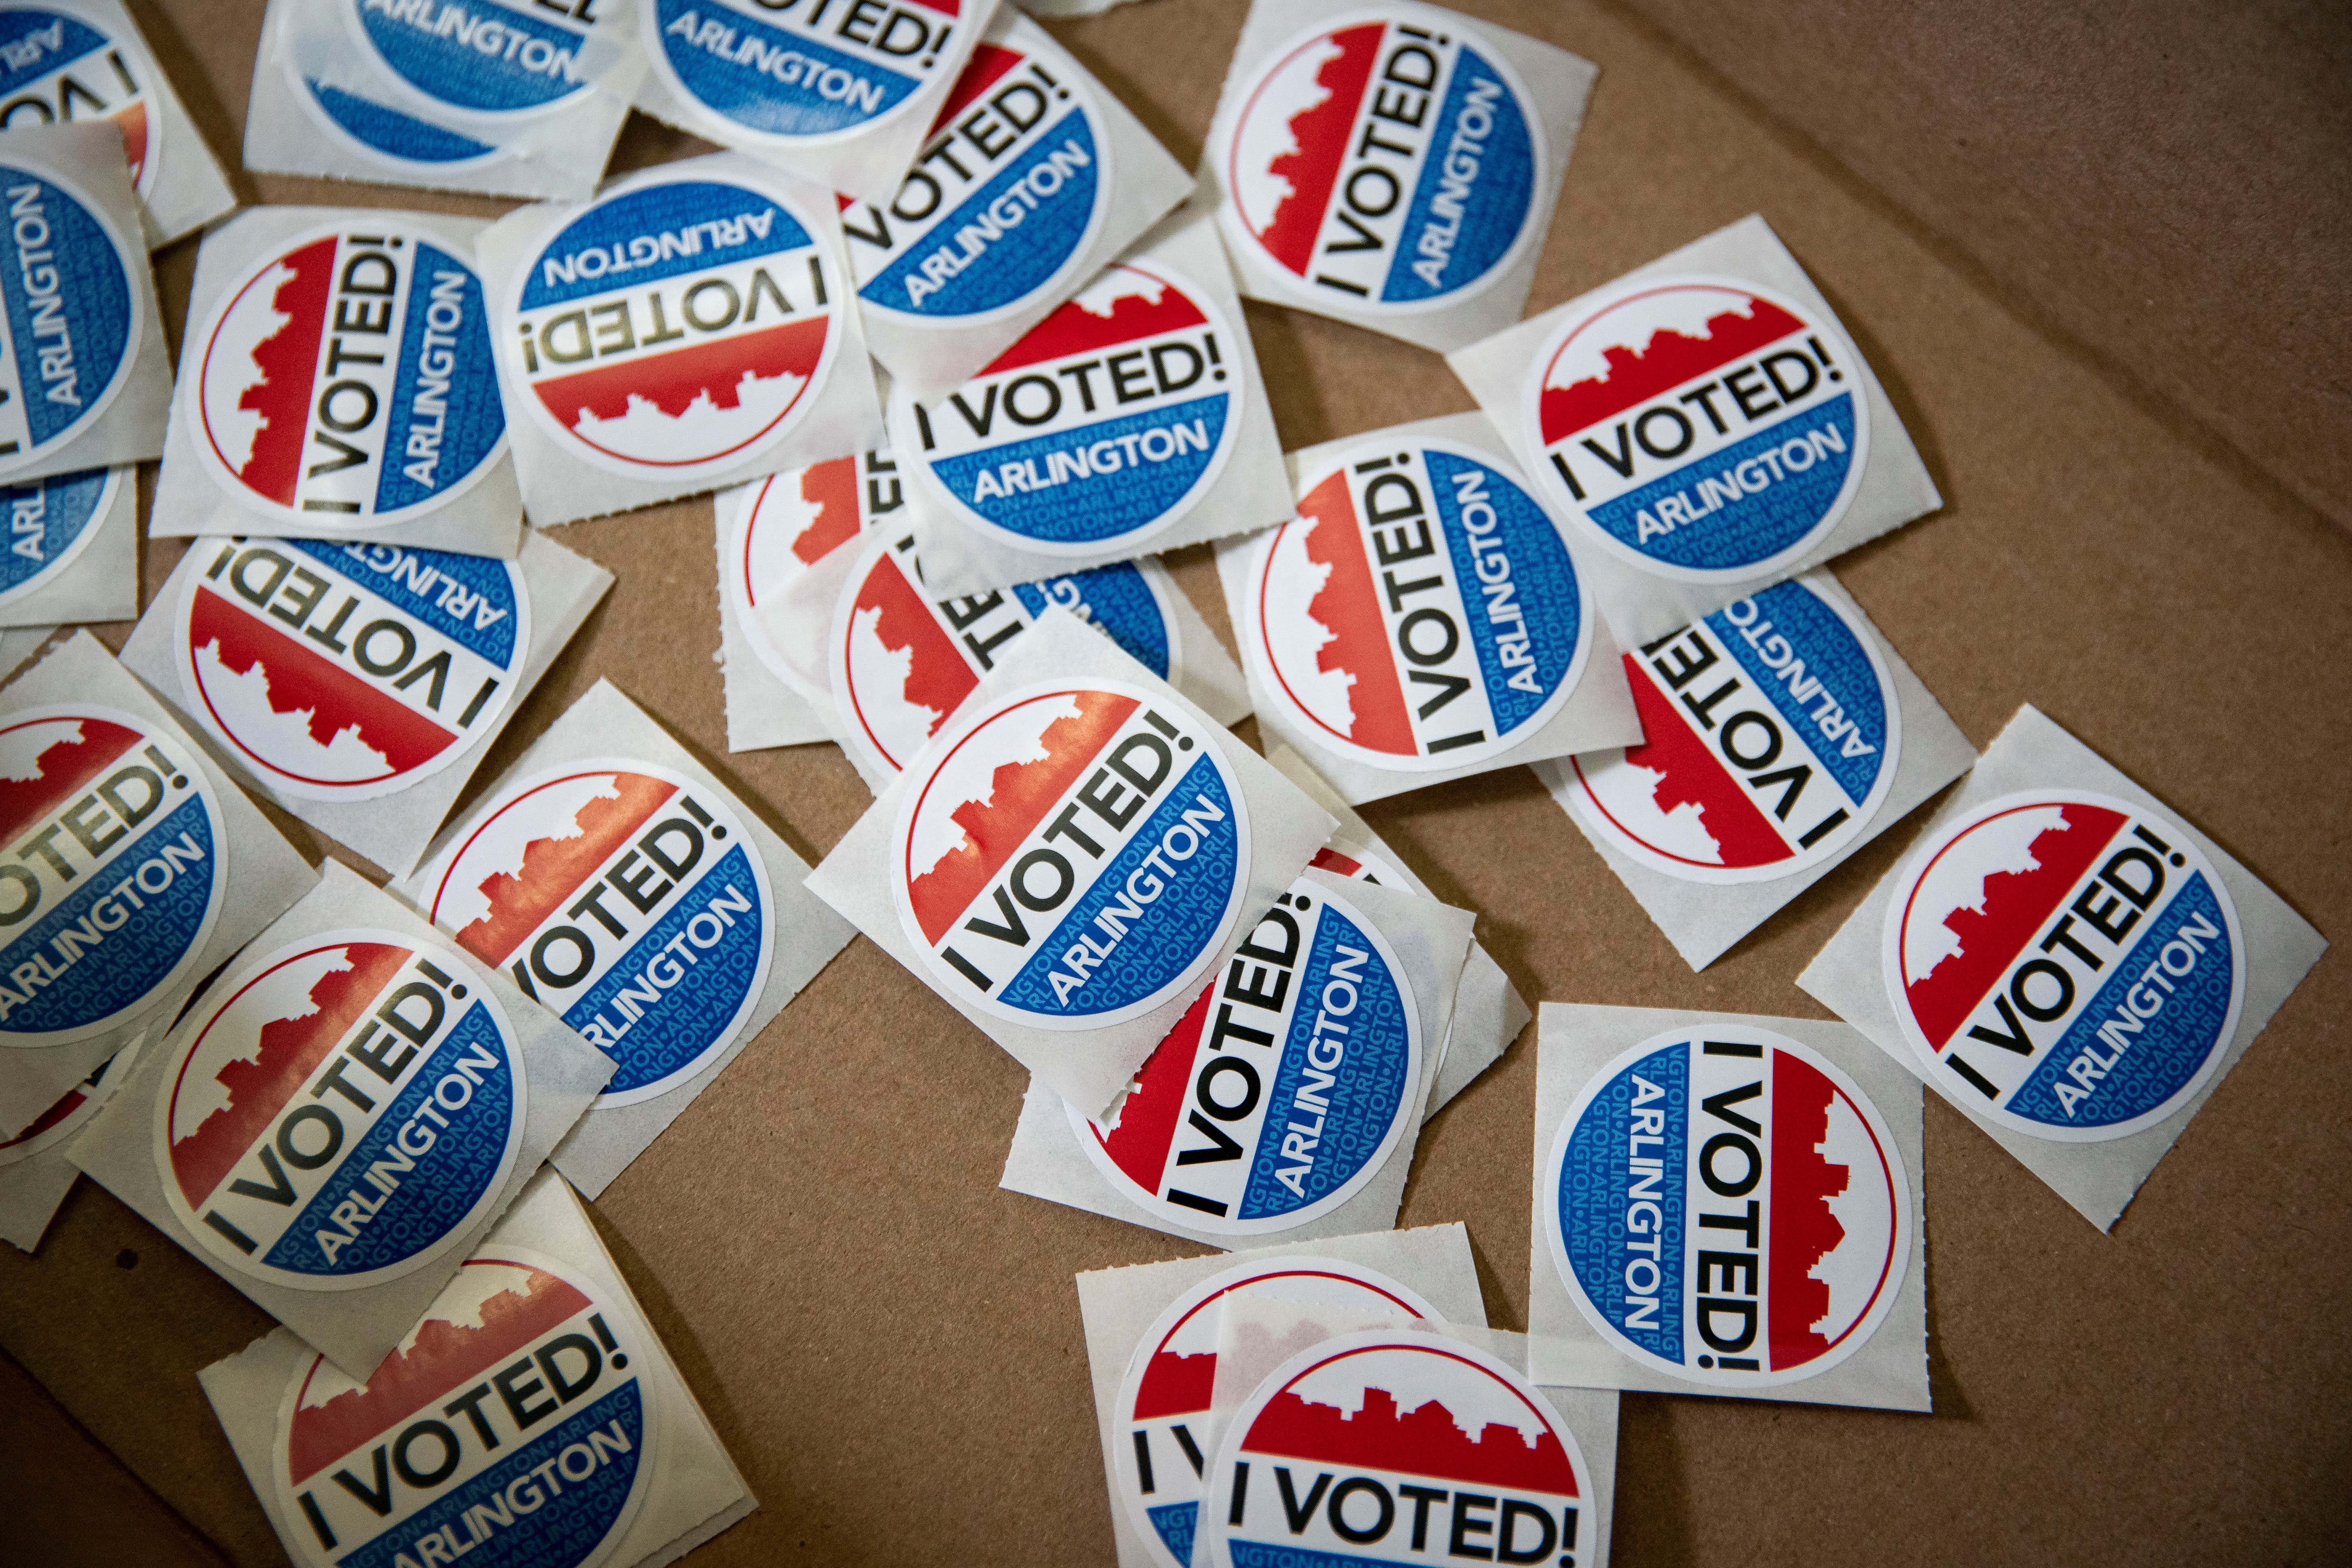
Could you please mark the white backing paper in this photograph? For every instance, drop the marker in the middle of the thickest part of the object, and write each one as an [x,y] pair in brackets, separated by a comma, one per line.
[99,578]
[35,1174]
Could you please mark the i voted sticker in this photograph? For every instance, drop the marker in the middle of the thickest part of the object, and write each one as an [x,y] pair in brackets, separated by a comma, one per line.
[481,56]
[1421,612]
[70,312]
[791,521]
[1099,429]
[514,1420]
[1772,732]
[348,378]
[625,898]
[1001,206]
[116,870]
[50,522]
[1164,1400]
[342,1113]
[1727,1207]
[787,76]
[676,327]
[2066,964]
[1282,1091]
[903,662]
[1703,428]
[61,68]
[1387,166]
[1386,1447]
[349,671]
[72,1112]
[1074,858]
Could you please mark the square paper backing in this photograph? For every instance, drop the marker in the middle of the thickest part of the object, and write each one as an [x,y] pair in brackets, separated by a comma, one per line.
[761,710]
[32,1188]
[101,582]
[1889,1371]
[189,189]
[1848,977]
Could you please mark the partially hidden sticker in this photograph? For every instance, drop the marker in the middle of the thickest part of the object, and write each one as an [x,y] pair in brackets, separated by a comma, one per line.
[515,1419]
[786,77]
[1074,858]
[1703,428]
[71,309]
[50,522]
[119,871]
[1727,1207]
[57,67]
[1160,1415]
[2064,963]
[340,1112]
[791,521]
[1285,1086]
[676,327]
[71,1112]
[628,899]
[349,671]
[1421,612]
[1772,731]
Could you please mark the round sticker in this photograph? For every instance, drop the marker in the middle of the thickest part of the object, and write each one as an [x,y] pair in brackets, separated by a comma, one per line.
[119,871]
[1001,205]
[350,671]
[676,327]
[1072,857]
[1385,168]
[50,522]
[515,1420]
[72,315]
[1727,1207]
[387,132]
[788,523]
[1282,1091]
[72,1112]
[1098,430]
[348,378]
[1772,729]
[1164,1399]
[1703,428]
[625,898]
[342,1111]
[903,663]
[1395,1447]
[2064,963]
[785,80]
[1421,612]
[55,67]
[480,57]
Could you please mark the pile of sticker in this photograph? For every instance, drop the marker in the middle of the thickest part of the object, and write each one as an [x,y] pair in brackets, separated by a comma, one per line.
[961,349]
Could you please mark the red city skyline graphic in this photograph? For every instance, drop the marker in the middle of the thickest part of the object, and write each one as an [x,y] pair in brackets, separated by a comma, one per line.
[1694,774]
[288,359]
[939,677]
[1664,360]
[62,770]
[987,66]
[1074,330]
[1423,1441]
[673,380]
[1148,1118]
[1175,1384]
[1320,135]
[831,486]
[1348,608]
[1803,1229]
[554,868]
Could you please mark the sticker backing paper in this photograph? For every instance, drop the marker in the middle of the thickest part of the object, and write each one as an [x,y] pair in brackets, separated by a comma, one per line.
[35,1174]
[72,549]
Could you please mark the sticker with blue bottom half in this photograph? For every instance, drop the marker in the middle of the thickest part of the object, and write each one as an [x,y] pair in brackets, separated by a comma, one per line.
[50,522]
[786,77]
[71,313]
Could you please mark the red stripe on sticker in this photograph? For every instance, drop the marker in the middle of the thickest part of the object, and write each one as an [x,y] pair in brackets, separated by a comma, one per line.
[1348,608]
[1320,136]
[1694,774]
[288,359]
[939,677]
[555,866]
[1146,1119]
[1668,359]
[64,767]
[1804,1230]
[1074,330]
[672,382]
[987,66]
[1423,1441]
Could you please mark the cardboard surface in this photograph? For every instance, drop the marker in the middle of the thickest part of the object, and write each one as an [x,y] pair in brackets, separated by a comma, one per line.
[2171,1393]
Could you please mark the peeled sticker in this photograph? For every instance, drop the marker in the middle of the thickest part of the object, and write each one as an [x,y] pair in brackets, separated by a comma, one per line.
[75,308]
[63,1120]
[51,525]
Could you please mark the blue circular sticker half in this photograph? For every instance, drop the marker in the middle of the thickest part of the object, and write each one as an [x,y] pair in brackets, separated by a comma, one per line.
[120,876]
[1702,429]
[625,898]
[1098,430]
[1073,857]
[1282,1091]
[1421,612]
[516,1419]
[70,311]
[50,522]
[786,78]
[2064,963]
[342,1111]
[1385,166]
[674,328]
[389,132]
[1725,1206]
[56,68]
[348,379]
[1002,203]
[1773,731]
[481,56]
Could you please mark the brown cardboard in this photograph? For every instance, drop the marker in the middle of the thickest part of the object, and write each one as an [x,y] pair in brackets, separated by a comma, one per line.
[891,1346]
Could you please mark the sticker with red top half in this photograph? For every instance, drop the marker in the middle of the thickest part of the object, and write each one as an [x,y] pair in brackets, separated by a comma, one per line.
[515,1419]
[1727,1207]
[1421,612]
[346,378]
[674,328]
[344,672]
[786,78]
[1772,733]
[1385,1447]
[71,1112]
[1071,857]
[791,521]
[58,67]
[624,897]
[2064,963]
[341,1111]
[1703,428]
[1282,1091]
[1099,429]
[118,872]
[1159,1418]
